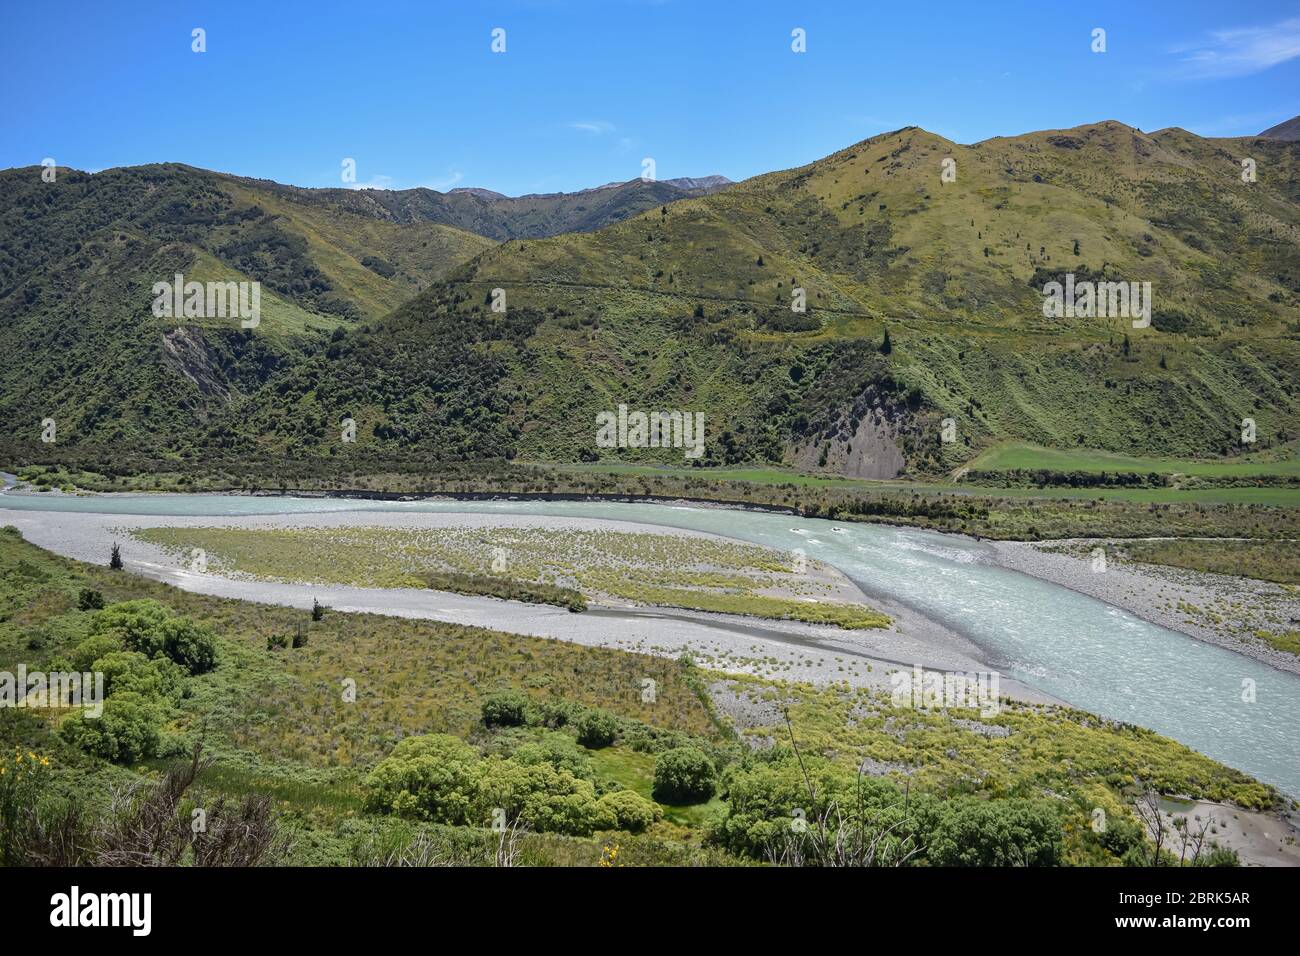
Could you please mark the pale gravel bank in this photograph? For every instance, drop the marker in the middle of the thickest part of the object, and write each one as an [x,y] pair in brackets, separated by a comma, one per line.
[783,650]
[1161,595]
[1260,839]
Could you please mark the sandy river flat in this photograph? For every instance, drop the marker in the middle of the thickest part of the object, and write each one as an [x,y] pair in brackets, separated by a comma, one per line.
[789,649]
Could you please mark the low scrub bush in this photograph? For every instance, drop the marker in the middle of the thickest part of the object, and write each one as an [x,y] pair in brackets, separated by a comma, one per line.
[683,775]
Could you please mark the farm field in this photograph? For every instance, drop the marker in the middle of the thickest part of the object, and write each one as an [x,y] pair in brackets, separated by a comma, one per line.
[1014,455]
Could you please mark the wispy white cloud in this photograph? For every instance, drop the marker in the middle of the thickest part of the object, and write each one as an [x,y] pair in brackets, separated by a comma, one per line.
[594,127]
[1240,51]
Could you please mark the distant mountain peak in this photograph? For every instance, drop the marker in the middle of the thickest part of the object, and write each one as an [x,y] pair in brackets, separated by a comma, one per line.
[486,194]
[703,182]
[684,183]
[1288,130]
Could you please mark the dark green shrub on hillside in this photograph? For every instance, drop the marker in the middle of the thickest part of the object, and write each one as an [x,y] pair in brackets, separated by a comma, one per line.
[683,775]
[90,650]
[379,266]
[156,630]
[1170,320]
[553,747]
[144,651]
[506,709]
[136,624]
[1120,836]
[190,645]
[1048,478]
[90,600]
[538,795]
[442,779]
[131,671]
[127,731]
[597,728]
[558,712]
[971,832]
[768,793]
[788,321]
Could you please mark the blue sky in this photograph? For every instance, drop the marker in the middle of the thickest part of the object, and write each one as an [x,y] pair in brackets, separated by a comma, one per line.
[586,90]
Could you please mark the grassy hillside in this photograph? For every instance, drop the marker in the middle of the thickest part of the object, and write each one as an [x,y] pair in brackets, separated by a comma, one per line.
[79,257]
[688,307]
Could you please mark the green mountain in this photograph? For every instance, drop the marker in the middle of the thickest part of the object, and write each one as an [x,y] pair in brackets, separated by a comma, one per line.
[501,217]
[79,257]
[688,307]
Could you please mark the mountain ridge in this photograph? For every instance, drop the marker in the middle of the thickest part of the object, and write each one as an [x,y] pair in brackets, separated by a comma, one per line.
[688,305]
[1288,130]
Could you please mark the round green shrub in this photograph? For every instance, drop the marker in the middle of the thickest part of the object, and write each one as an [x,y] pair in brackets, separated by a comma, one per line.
[127,730]
[158,679]
[92,649]
[626,810]
[683,775]
[433,777]
[156,630]
[597,728]
[556,748]
[506,709]
[136,624]
[189,644]
[544,799]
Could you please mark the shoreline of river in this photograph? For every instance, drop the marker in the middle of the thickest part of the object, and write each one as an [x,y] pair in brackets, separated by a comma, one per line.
[1125,589]
[777,649]
[1062,642]
[1143,590]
